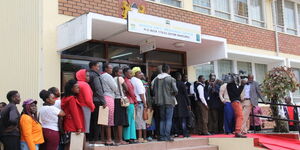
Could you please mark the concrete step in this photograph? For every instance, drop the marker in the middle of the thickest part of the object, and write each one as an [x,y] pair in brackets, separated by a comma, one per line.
[203,147]
[177,144]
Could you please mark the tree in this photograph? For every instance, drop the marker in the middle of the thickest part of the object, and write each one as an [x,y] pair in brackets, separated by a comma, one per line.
[277,84]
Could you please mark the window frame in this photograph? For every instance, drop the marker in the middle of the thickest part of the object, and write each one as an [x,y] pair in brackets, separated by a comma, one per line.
[181,3]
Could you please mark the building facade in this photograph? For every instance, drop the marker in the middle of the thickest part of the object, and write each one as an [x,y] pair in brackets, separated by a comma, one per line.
[237,35]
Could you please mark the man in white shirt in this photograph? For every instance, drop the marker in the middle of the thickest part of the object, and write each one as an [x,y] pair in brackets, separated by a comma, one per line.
[139,91]
[202,107]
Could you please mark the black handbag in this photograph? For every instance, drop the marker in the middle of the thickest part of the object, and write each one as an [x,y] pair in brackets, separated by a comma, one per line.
[65,138]
[191,120]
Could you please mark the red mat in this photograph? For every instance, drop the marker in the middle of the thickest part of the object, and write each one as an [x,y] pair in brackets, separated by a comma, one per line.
[268,141]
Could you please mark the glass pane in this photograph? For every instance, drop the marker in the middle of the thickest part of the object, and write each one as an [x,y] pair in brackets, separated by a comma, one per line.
[224,67]
[297,74]
[205,3]
[90,49]
[280,29]
[124,53]
[164,57]
[241,7]
[257,10]
[240,19]
[222,15]
[299,16]
[258,24]
[222,5]
[244,68]
[176,3]
[279,12]
[289,14]
[260,72]
[205,70]
[202,10]
[290,31]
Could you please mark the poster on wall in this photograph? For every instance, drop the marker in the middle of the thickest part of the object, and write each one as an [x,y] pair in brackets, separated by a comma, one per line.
[157,26]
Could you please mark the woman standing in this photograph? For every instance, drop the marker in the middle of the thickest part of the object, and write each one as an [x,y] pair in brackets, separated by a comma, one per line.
[85,97]
[31,129]
[120,116]
[129,132]
[184,104]
[74,120]
[48,117]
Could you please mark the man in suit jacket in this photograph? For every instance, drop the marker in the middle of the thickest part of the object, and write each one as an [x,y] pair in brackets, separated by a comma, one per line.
[250,96]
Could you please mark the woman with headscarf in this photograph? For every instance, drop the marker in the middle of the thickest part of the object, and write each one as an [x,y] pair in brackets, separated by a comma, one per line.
[85,96]
[74,120]
[48,116]
[31,129]
[120,116]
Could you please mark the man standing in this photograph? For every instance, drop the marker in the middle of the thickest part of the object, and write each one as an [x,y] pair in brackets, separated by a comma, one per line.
[165,90]
[250,96]
[202,107]
[234,91]
[10,136]
[139,91]
[98,99]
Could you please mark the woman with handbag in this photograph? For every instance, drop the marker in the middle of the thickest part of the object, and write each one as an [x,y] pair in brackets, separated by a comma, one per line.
[121,102]
[129,132]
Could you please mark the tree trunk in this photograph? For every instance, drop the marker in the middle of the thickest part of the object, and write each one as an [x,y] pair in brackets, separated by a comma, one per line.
[280,126]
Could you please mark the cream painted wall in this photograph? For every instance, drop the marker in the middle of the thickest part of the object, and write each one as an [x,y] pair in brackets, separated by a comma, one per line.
[191,73]
[20,44]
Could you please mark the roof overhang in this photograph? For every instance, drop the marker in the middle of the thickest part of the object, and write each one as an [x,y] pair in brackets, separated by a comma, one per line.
[94,26]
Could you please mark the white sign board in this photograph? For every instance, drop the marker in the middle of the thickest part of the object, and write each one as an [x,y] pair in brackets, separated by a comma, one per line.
[157,26]
[147,46]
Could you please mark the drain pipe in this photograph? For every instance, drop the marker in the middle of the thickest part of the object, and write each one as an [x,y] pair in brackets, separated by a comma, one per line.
[275,29]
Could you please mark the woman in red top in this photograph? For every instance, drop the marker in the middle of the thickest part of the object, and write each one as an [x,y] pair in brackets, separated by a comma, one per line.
[74,120]
[85,96]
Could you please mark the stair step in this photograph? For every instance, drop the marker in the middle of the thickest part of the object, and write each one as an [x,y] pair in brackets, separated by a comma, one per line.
[203,147]
[190,142]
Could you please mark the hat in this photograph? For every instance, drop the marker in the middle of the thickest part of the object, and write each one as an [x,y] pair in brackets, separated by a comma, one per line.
[135,70]
[29,101]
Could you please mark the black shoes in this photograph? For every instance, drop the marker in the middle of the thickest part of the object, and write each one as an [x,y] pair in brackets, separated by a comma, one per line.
[239,135]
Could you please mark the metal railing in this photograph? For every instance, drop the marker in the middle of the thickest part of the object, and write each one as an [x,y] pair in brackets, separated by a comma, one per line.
[297,122]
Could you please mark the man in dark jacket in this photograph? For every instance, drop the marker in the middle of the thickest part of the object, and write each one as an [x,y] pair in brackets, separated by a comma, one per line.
[10,135]
[165,91]
[98,99]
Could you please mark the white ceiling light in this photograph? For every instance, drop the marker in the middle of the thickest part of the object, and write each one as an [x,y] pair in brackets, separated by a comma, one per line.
[179,44]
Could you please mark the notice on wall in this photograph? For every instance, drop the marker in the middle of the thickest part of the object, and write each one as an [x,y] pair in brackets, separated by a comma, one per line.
[157,26]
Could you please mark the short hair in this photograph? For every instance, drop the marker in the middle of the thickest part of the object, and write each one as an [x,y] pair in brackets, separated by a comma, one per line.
[3,104]
[52,90]
[44,94]
[200,76]
[11,94]
[105,65]
[115,71]
[125,70]
[165,68]
[92,63]
[177,75]
[68,87]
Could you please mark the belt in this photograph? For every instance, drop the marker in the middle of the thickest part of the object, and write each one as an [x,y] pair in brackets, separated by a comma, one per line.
[247,99]
[140,102]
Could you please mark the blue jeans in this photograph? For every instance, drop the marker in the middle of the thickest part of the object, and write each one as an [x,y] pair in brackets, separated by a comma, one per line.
[166,115]
[228,118]
[24,146]
[184,128]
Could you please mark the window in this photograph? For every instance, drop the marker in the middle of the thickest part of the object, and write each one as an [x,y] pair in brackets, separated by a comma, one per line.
[222,8]
[161,57]
[290,17]
[224,67]
[124,53]
[176,3]
[205,69]
[241,11]
[90,49]
[257,13]
[299,17]
[279,15]
[244,67]
[297,74]
[203,6]
[260,72]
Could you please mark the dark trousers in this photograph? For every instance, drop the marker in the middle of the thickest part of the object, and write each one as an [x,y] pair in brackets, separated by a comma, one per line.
[202,118]
[11,142]
[228,118]
[221,119]
[213,118]
[94,134]
[166,115]
[156,116]
[51,139]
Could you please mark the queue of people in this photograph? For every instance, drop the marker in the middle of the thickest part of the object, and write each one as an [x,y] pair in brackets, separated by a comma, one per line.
[138,110]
